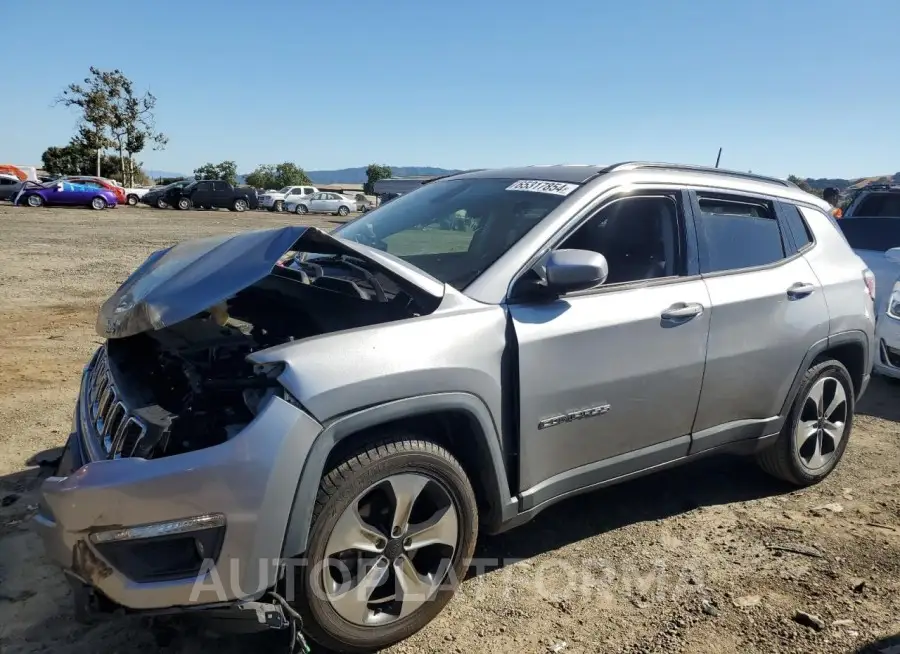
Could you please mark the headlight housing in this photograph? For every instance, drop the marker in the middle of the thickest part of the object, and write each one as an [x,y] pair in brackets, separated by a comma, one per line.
[893,308]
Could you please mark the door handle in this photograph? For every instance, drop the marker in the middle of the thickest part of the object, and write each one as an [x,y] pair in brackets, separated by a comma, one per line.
[682,311]
[800,290]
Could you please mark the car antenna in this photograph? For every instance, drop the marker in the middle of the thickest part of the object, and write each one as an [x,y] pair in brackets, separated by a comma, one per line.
[718,157]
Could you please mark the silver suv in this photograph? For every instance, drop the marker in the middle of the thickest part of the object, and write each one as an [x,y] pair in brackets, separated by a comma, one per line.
[316,426]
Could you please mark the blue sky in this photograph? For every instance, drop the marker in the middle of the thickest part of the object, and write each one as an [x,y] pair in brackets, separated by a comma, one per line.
[785,86]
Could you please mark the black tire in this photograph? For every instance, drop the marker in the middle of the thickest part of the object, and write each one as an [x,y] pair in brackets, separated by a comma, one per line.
[98,204]
[302,209]
[184,204]
[162,204]
[240,205]
[343,211]
[278,207]
[33,200]
[781,459]
[398,453]
[132,200]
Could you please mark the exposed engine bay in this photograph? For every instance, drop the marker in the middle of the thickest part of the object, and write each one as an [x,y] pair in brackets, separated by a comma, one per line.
[189,384]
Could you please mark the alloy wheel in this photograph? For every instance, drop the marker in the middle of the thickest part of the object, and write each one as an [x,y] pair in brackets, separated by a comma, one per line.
[821,424]
[390,550]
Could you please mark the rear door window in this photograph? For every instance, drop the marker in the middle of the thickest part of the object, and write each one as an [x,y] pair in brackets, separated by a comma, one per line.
[737,232]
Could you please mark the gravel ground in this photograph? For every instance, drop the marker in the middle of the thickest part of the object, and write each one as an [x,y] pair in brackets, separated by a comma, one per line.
[714,557]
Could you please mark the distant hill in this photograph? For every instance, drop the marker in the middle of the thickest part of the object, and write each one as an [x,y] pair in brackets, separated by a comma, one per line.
[851,184]
[358,175]
[342,176]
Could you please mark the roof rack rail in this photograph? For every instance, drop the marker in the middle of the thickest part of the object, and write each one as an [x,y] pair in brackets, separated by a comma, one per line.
[637,165]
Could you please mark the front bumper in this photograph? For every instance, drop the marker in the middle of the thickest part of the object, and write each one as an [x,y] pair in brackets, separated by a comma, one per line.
[887,338]
[250,479]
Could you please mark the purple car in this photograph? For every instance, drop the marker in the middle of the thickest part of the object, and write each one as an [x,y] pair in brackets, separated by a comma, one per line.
[65,193]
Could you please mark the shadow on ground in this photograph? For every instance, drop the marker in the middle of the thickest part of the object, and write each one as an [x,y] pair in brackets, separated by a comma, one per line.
[707,482]
[882,400]
[890,645]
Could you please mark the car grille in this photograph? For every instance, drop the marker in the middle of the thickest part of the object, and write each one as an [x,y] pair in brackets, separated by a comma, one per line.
[119,431]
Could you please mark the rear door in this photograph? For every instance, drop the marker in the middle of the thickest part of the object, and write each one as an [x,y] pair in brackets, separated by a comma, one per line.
[768,309]
[610,378]
[223,195]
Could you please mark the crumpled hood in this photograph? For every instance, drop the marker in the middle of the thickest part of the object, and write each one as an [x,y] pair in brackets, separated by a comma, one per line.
[179,282]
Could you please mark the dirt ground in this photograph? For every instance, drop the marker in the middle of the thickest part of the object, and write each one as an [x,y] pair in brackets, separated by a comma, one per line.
[713,557]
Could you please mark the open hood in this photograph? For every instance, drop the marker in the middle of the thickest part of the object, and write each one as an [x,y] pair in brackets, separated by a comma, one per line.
[179,282]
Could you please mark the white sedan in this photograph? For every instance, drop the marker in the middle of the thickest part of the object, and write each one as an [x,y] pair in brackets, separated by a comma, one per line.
[877,241]
[323,202]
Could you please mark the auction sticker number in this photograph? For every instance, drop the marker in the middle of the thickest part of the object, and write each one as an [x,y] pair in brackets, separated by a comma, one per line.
[538,186]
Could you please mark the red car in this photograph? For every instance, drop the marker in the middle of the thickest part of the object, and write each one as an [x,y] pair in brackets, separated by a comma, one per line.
[99,182]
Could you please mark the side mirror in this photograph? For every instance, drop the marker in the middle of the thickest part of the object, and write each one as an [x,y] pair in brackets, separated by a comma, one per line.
[563,271]
[893,255]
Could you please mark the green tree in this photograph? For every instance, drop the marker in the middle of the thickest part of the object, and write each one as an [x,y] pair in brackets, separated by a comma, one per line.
[374,172]
[75,158]
[275,176]
[803,184]
[225,170]
[113,117]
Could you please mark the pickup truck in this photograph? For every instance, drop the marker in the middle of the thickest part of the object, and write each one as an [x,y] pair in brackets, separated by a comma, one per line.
[275,200]
[213,194]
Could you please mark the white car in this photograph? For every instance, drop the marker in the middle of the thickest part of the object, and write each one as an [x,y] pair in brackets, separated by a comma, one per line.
[323,202]
[276,200]
[877,242]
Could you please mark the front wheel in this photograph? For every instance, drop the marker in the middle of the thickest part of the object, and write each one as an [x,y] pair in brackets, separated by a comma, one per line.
[278,207]
[302,209]
[98,204]
[393,530]
[817,429]
[241,205]
[184,203]
[162,204]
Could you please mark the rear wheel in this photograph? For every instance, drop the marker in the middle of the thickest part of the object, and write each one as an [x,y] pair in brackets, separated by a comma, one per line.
[98,204]
[184,203]
[343,211]
[817,429]
[34,200]
[393,531]
[132,200]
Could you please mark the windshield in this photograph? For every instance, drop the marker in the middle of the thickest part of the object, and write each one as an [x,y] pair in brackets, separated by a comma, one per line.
[454,229]
[879,205]
[877,234]
[285,190]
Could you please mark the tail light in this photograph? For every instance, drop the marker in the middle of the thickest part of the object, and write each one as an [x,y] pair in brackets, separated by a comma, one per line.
[869,278]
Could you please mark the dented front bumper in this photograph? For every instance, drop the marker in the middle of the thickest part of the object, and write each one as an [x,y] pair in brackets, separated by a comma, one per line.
[246,484]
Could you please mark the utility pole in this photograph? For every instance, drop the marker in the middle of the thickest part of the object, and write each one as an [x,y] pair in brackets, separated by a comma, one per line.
[98,162]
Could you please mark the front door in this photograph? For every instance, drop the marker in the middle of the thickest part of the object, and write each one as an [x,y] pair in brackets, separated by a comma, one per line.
[316,203]
[610,378]
[202,195]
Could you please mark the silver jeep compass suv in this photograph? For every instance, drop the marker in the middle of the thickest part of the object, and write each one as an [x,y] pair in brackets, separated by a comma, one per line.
[315,426]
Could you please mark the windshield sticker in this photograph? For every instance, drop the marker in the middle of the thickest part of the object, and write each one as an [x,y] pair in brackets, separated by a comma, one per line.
[537,186]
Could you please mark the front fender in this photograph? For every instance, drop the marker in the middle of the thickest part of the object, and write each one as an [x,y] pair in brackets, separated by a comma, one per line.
[495,481]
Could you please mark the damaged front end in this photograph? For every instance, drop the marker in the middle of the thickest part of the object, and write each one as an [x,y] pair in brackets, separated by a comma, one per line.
[174,375]
[185,452]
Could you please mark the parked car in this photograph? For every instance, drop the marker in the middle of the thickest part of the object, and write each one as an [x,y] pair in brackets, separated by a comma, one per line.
[323,202]
[99,182]
[213,194]
[874,200]
[65,192]
[158,195]
[9,186]
[276,200]
[877,241]
[352,408]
